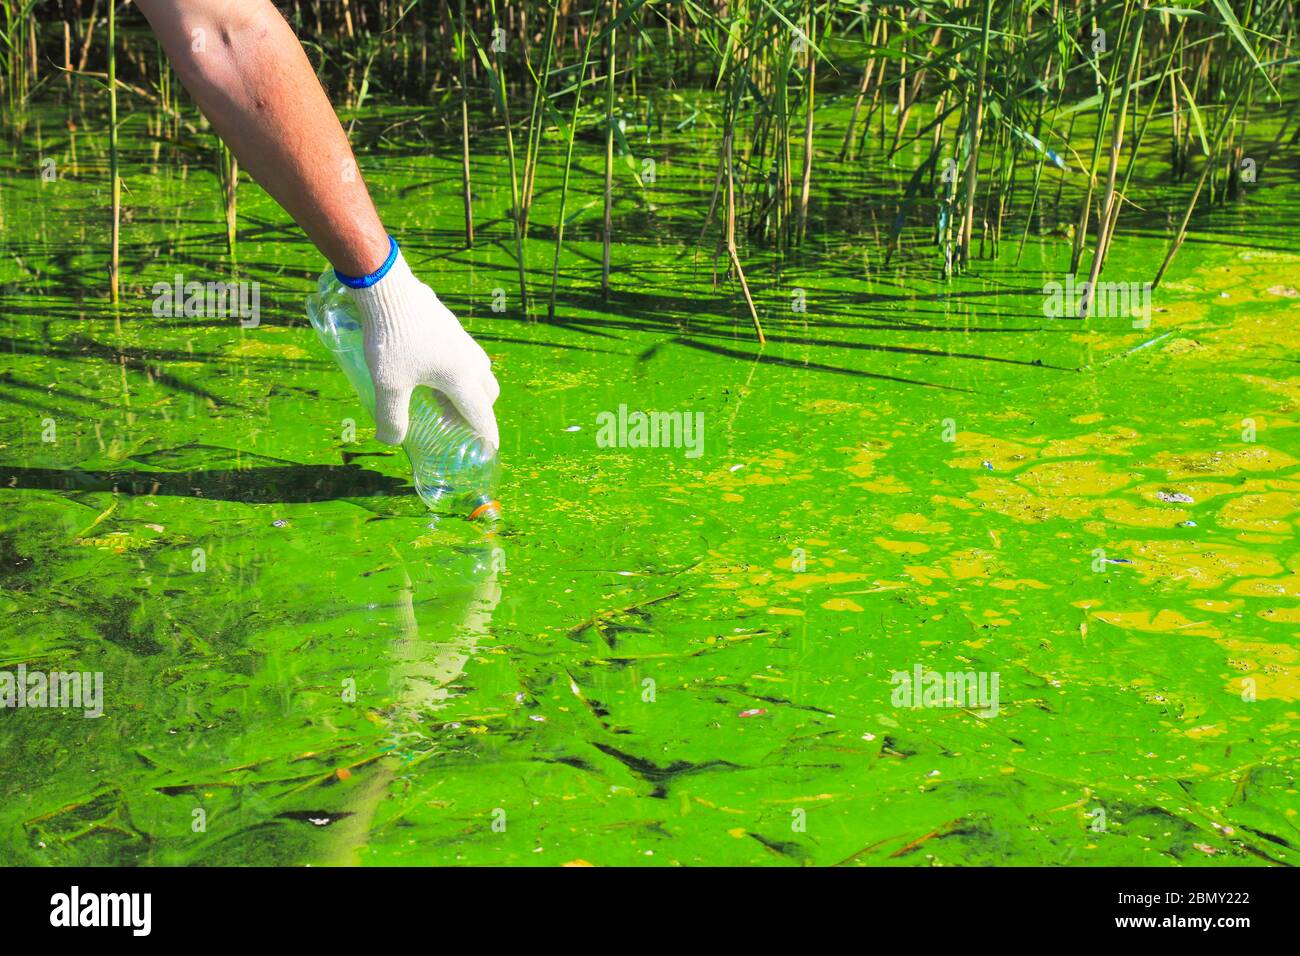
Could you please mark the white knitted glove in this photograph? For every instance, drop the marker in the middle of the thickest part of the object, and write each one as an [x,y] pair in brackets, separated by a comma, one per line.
[413,339]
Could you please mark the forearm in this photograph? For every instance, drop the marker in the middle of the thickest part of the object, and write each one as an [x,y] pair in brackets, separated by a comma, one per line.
[250,76]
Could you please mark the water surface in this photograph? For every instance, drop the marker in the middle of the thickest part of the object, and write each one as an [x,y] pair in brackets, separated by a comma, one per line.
[656,658]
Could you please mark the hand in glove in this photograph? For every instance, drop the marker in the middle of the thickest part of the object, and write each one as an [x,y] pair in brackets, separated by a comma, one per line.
[413,339]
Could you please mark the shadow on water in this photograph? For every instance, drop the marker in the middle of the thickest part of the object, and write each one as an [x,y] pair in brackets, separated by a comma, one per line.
[285,484]
[815,366]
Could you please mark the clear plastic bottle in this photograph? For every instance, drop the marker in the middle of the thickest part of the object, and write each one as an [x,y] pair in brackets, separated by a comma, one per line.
[452,468]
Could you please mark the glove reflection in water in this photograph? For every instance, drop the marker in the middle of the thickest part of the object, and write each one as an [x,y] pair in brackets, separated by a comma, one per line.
[439,617]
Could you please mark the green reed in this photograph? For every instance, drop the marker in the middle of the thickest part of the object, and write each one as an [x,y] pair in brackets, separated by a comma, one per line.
[1032,115]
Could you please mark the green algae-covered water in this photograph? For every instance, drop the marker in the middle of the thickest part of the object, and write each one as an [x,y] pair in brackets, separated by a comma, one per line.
[662,656]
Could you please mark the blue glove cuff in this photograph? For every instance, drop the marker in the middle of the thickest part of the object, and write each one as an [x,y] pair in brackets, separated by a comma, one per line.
[366,281]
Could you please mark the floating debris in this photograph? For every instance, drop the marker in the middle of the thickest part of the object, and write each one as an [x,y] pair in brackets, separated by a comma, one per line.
[987,464]
[1187,524]
[735,468]
[1175,497]
[574,428]
[756,712]
[1136,348]
[279,523]
[317,818]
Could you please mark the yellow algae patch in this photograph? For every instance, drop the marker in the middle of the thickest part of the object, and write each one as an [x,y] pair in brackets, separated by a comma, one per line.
[924,576]
[723,585]
[1288,586]
[1009,415]
[1067,448]
[1181,346]
[809,579]
[863,464]
[1281,615]
[1263,513]
[777,462]
[1217,607]
[1256,538]
[119,541]
[902,547]
[786,611]
[1015,584]
[1090,419]
[1008,498]
[260,348]
[1198,567]
[799,560]
[971,564]
[998,452]
[888,485]
[1092,340]
[1085,478]
[1162,622]
[920,524]
[1274,670]
[1259,655]
[765,471]
[1198,491]
[1206,730]
[828,406]
[1289,388]
[1136,516]
[727,565]
[1114,441]
[841,604]
[960,503]
[1184,312]
[1250,458]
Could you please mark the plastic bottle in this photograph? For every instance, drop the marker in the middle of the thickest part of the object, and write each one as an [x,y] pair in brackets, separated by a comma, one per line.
[452,468]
